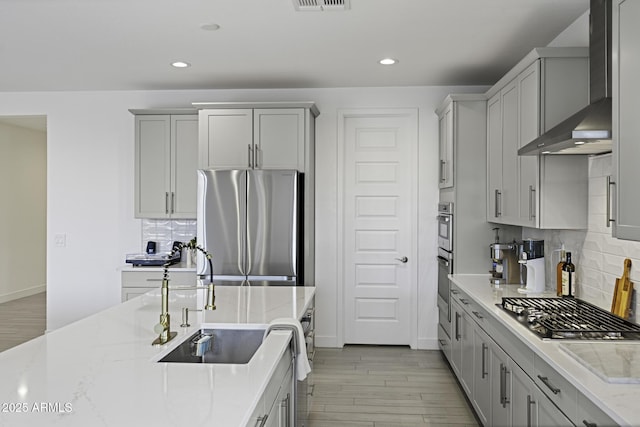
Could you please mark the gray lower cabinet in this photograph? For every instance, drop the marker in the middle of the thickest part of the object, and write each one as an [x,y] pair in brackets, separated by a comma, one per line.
[462,347]
[138,282]
[522,390]
[482,375]
[276,406]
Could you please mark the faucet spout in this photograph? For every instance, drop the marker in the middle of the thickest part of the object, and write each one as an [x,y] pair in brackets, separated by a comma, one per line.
[163,328]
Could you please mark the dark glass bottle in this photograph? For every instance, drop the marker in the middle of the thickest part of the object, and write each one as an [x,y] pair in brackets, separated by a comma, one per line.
[568,277]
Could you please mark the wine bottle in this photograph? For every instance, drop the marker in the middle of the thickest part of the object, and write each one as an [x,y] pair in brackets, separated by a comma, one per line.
[563,259]
[568,277]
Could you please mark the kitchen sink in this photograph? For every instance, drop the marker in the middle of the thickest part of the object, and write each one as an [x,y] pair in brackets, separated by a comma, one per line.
[218,345]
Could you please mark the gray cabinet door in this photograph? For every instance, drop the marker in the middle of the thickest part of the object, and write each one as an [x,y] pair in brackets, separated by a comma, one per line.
[226,138]
[626,126]
[494,158]
[510,161]
[528,130]
[446,135]
[184,163]
[153,166]
[500,387]
[279,141]
[481,375]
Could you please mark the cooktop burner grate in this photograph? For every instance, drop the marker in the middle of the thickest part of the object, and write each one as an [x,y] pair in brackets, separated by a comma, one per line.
[569,318]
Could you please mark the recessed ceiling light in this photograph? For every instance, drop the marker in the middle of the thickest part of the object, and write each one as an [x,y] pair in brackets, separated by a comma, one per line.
[546,152]
[579,142]
[210,27]
[180,64]
[388,61]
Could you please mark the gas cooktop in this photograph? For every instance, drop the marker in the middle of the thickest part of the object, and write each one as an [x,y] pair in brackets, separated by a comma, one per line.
[569,318]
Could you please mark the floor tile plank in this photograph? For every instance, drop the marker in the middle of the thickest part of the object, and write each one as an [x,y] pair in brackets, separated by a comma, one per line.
[386,386]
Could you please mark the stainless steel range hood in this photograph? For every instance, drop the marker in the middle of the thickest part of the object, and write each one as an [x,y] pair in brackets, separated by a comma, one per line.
[589,130]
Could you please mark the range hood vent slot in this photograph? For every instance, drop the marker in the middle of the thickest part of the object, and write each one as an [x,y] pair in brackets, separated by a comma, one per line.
[320,5]
[589,130]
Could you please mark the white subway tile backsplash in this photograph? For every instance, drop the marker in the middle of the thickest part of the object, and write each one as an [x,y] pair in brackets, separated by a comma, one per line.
[598,256]
[165,232]
[598,186]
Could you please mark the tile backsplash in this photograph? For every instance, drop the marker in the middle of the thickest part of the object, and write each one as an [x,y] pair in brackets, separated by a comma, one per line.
[165,231]
[597,255]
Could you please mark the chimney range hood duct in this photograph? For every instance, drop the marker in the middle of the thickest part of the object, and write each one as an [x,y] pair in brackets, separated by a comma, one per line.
[589,130]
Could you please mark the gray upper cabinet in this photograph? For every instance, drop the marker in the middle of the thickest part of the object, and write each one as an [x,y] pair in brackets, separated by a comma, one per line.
[626,126]
[547,86]
[166,159]
[445,143]
[256,136]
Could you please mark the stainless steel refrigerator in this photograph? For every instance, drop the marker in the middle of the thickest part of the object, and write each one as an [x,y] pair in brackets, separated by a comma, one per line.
[250,221]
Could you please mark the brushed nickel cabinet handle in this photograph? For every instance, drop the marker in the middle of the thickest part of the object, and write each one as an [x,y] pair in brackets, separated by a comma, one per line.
[609,184]
[545,381]
[250,151]
[166,202]
[256,153]
[530,403]
[484,359]
[173,202]
[532,203]
[498,203]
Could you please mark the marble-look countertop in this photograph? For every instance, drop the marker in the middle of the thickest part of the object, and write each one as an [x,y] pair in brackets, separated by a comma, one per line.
[618,401]
[614,362]
[101,370]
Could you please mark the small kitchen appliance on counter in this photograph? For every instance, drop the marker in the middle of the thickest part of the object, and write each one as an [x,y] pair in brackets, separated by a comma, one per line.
[152,259]
[532,264]
[505,269]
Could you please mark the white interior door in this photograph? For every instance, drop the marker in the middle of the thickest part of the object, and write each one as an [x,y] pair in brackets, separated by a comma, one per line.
[379,182]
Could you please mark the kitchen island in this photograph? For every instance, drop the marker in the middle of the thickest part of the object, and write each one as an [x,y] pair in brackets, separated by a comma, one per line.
[585,385]
[102,370]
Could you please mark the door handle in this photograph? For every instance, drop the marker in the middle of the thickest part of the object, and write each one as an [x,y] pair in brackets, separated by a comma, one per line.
[403,260]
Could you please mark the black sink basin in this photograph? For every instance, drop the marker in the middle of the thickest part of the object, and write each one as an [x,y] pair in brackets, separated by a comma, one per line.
[219,345]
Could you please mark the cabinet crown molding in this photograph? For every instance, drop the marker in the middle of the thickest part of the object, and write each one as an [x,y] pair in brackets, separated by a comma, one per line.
[279,104]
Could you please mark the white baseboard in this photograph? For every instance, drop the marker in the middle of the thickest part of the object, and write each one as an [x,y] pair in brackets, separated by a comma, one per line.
[330,342]
[22,293]
[428,344]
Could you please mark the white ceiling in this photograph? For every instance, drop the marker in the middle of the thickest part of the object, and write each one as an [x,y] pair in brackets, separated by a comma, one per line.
[128,44]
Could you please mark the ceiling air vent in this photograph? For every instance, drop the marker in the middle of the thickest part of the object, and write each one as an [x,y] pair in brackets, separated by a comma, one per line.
[320,5]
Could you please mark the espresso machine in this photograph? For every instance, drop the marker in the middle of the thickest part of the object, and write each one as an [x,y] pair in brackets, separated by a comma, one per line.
[532,261]
[505,268]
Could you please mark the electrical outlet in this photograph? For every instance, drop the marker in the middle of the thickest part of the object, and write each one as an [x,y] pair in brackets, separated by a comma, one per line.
[60,240]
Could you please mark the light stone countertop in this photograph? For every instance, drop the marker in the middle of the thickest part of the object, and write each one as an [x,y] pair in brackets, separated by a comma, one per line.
[101,370]
[619,401]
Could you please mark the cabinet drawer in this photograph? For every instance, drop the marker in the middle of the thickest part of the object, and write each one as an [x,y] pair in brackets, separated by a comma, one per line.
[444,342]
[590,415]
[146,279]
[559,390]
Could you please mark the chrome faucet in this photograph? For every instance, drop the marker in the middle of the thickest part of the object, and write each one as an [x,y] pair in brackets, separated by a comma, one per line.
[163,327]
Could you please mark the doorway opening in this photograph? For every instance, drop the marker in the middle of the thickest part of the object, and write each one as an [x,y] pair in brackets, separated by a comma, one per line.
[23,223]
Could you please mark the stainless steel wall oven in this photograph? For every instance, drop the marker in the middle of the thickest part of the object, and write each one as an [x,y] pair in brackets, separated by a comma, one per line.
[445,263]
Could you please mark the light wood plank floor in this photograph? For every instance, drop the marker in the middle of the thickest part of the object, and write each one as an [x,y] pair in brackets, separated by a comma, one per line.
[22,319]
[385,386]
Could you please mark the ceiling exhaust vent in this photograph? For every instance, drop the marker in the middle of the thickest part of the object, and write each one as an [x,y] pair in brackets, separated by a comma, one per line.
[320,5]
